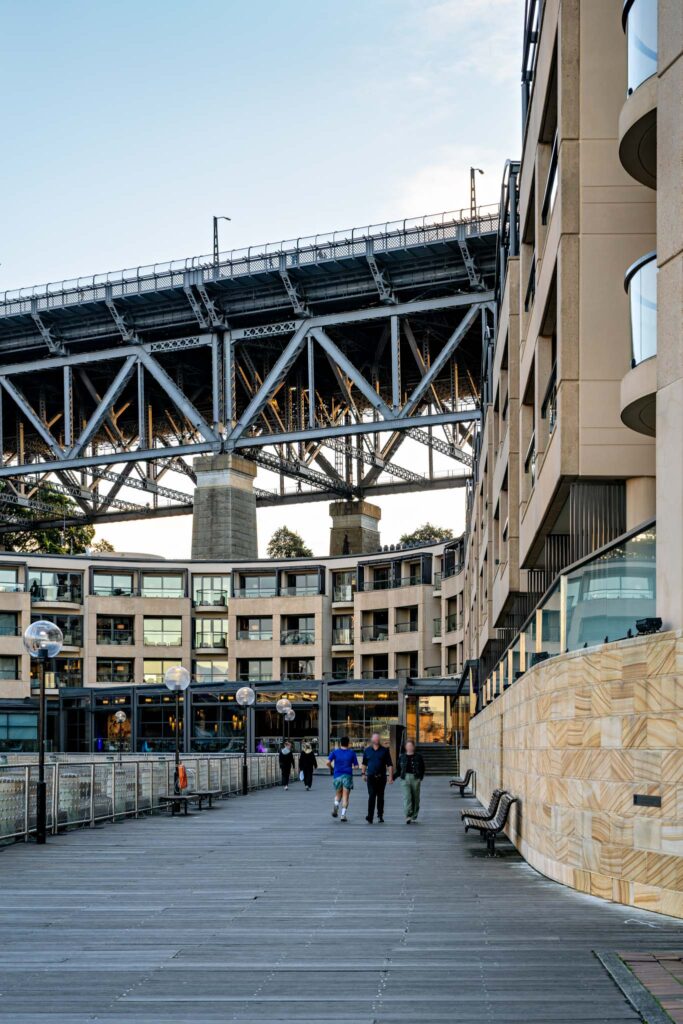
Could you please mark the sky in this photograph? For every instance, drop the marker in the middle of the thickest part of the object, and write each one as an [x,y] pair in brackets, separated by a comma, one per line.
[128,125]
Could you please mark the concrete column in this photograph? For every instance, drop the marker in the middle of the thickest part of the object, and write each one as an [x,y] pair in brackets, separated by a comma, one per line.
[669,319]
[355,528]
[641,500]
[224,519]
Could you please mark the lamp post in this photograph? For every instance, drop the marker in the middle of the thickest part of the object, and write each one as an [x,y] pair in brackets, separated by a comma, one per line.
[289,716]
[282,707]
[215,237]
[42,640]
[245,697]
[120,717]
[473,190]
[177,679]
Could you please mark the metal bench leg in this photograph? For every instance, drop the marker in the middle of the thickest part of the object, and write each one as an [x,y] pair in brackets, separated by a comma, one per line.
[491,845]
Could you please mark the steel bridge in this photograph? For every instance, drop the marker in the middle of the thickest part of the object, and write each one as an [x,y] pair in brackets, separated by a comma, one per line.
[315,358]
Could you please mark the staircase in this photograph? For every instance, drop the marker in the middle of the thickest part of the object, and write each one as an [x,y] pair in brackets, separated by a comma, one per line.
[439,760]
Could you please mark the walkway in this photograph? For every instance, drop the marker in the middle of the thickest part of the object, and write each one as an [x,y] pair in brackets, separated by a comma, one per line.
[249,912]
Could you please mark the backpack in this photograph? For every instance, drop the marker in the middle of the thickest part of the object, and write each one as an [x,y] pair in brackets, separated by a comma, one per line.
[182,777]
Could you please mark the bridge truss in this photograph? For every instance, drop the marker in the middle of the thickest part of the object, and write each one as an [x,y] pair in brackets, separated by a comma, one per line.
[316,359]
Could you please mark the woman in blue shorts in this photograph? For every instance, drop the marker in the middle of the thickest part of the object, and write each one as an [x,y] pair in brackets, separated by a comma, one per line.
[343,761]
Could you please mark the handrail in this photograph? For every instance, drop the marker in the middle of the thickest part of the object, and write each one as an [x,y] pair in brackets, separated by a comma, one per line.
[236,262]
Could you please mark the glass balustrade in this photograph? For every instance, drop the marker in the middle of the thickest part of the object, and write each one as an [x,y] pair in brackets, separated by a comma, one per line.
[641,284]
[639,19]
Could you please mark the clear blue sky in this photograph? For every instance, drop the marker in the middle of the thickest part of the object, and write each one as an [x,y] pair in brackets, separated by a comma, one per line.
[128,125]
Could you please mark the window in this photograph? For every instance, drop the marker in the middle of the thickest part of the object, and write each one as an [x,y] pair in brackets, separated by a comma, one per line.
[115,670]
[343,585]
[211,633]
[256,586]
[156,721]
[210,591]
[251,627]
[298,629]
[359,714]
[113,584]
[55,586]
[18,731]
[342,668]
[342,629]
[377,628]
[9,624]
[9,667]
[211,670]
[217,723]
[162,632]
[60,672]
[301,583]
[298,668]
[381,578]
[255,669]
[407,619]
[154,585]
[155,669]
[9,581]
[71,627]
[115,629]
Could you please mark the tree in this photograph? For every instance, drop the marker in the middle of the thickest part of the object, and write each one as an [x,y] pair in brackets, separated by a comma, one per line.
[55,540]
[426,533]
[285,543]
[102,546]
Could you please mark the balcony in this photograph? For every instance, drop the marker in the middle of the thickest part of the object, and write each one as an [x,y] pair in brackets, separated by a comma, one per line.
[438,580]
[210,599]
[210,641]
[10,631]
[437,628]
[297,636]
[343,594]
[406,627]
[342,637]
[377,584]
[55,594]
[115,636]
[638,118]
[250,677]
[255,634]
[255,592]
[375,673]
[374,633]
[639,386]
[306,591]
[162,639]
[12,588]
[122,679]
[451,622]
[107,591]
[296,676]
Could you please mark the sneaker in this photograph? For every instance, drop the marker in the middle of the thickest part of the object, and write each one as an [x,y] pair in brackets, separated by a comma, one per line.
[286,787]
[343,818]
[335,813]
[408,821]
[369,820]
[414,821]
[381,820]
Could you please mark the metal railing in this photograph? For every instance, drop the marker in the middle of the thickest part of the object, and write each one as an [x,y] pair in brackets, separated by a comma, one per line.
[342,636]
[206,641]
[271,256]
[451,622]
[255,634]
[374,633]
[115,636]
[343,593]
[85,791]
[210,598]
[406,627]
[297,636]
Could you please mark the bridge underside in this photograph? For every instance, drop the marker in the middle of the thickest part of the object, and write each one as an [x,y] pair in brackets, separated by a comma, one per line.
[316,360]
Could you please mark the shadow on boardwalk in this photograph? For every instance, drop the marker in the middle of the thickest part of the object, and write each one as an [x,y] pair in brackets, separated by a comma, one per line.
[266,909]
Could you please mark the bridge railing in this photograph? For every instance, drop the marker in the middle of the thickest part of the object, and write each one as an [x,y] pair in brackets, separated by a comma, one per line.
[392,236]
[85,791]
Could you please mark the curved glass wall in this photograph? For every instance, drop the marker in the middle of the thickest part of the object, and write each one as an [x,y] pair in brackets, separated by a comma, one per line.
[640,24]
[641,285]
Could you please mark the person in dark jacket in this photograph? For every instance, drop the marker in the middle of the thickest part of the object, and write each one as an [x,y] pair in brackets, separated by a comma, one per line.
[286,763]
[411,769]
[307,764]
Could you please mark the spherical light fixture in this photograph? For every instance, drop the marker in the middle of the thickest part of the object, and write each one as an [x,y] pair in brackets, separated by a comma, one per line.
[177,678]
[283,705]
[43,639]
[245,696]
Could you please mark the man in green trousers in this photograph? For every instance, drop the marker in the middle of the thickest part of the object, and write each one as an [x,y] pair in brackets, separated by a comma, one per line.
[411,768]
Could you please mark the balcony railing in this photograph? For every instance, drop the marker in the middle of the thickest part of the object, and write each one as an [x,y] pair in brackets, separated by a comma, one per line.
[148,591]
[111,677]
[437,627]
[153,639]
[210,598]
[205,641]
[255,591]
[99,590]
[451,622]
[377,584]
[251,677]
[11,631]
[550,191]
[308,591]
[375,673]
[530,293]
[431,672]
[340,674]
[549,406]
[639,19]
[438,579]
[255,634]
[297,636]
[115,636]
[374,632]
[530,460]
[296,676]
[407,627]
[640,283]
[343,593]
[11,588]
[343,636]
[56,594]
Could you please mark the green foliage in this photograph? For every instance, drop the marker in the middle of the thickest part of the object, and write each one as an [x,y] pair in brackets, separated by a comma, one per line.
[285,543]
[423,534]
[102,546]
[54,540]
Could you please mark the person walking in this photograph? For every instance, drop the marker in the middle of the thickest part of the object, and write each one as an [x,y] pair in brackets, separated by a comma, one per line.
[342,760]
[411,768]
[286,762]
[376,763]
[307,764]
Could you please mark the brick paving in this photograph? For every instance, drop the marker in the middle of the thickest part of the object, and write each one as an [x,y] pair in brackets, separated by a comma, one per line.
[662,974]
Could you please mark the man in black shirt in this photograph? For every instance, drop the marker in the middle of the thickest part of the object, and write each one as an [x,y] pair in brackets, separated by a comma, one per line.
[376,762]
[411,769]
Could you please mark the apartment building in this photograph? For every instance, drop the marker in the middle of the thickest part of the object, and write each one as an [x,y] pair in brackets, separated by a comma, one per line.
[357,642]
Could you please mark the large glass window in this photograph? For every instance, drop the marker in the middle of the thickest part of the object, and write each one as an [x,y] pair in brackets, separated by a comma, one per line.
[115,629]
[298,668]
[210,591]
[71,627]
[299,584]
[157,722]
[256,585]
[115,670]
[18,732]
[211,670]
[641,284]
[154,669]
[211,633]
[640,18]
[9,667]
[9,581]
[255,627]
[271,728]
[59,672]
[45,585]
[343,585]
[255,669]
[113,584]
[9,624]
[217,723]
[358,715]
[162,632]
[156,585]
[342,668]
[342,630]
[298,629]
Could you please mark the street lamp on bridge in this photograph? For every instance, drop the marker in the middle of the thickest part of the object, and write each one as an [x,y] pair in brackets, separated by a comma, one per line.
[215,237]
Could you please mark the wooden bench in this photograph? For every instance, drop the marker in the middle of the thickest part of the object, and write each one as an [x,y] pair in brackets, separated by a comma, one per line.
[484,813]
[488,830]
[207,794]
[470,779]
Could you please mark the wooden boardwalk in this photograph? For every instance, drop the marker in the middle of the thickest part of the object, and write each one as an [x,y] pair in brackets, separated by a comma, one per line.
[265,909]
